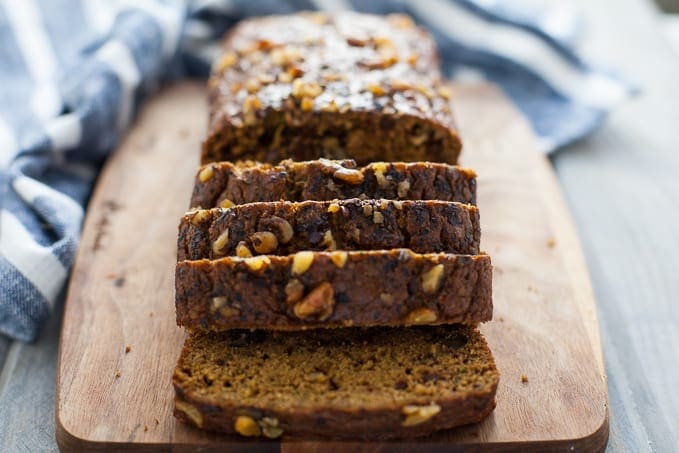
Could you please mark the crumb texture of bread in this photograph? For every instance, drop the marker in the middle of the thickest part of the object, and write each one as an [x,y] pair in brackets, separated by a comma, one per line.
[347,383]
[333,289]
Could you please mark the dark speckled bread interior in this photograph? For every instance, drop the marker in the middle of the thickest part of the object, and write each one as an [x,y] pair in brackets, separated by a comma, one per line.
[223,184]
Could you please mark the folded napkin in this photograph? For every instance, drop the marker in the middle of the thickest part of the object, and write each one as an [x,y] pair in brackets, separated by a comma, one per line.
[73,72]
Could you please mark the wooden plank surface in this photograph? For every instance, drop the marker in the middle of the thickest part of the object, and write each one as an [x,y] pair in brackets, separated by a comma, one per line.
[622,187]
[121,294]
[27,392]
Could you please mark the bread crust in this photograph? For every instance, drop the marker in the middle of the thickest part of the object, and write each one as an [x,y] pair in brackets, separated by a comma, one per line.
[345,85]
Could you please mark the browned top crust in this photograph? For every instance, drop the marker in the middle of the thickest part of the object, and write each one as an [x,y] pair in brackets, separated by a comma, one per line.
[341,85]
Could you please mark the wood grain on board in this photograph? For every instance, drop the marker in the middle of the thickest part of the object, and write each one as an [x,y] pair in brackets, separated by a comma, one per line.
[121,294]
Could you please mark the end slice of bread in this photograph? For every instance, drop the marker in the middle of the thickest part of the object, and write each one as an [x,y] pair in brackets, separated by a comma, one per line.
[362,383]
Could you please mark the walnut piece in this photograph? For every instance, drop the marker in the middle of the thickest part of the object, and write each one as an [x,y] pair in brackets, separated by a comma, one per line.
[191,411]
[226,204]
[270,427]
[402,188]
[253,86]
[425,90]
[380,168]
[412,59]
[318,304]
[264,241]
[339,259]
[229,59]
[400,85]
[256,263]
[333,208]
[294,290]
[431,280]
[242,250]
[265,79]
[421,316]
[247,426]
[416,415]
[317,376]
[400,20]
[349,175]
[375,89]
[386,298]
[294,72]
[219,302]
[285,77]
[301,89]
[206,174]
[301,262]
[284,56]
[329,241]
[221,241]
[383,41]
[307,104]
[200,216]
[250,106]
[445,92]
[285,231]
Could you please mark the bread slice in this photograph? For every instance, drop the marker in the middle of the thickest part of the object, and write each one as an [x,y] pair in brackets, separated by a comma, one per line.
[224,184]
[345,85]
[286,227]
[333,289]
[375,383]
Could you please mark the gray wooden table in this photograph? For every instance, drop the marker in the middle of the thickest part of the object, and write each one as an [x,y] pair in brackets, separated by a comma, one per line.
[622,185]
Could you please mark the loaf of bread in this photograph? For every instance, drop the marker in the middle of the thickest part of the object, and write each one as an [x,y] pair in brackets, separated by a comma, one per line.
[333,289]
[376,383]
[329,271]
[224,184]
[285,227]
[346,85]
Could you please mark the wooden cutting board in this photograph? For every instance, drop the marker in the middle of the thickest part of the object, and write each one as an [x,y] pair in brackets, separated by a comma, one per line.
[121,295]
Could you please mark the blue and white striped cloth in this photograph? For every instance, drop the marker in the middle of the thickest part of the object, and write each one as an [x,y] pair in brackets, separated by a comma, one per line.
[73,72]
